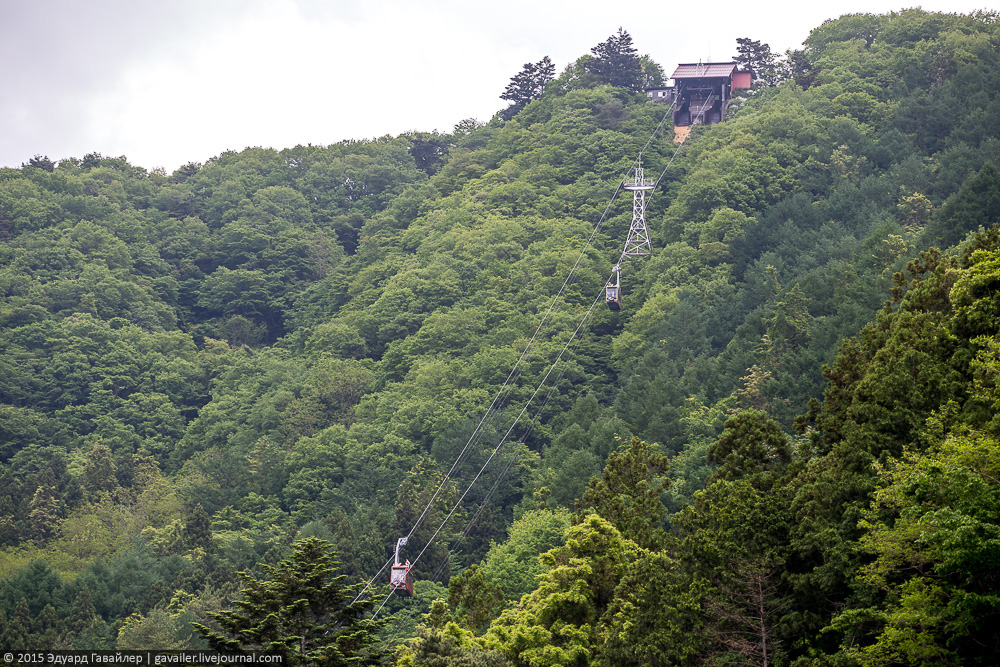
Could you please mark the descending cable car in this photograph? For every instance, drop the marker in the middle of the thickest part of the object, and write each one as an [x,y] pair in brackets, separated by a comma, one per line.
[613,290]
[400,578]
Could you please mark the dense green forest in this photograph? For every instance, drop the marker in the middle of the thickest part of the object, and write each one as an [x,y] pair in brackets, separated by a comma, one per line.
[782,450]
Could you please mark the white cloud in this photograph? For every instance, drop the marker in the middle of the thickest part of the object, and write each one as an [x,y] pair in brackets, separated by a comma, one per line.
[182,80]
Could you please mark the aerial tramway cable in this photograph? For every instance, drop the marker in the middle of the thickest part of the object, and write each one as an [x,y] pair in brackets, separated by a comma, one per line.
[513,459]
[492,409]
[497,402]
[502,440]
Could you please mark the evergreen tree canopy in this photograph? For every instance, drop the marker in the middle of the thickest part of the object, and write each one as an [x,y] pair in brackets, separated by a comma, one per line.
[616,62]
[303,612]
[527,85]
[756,57]
[628,493]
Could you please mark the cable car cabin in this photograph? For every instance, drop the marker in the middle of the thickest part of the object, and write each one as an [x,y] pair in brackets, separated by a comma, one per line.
[613,290]
[401,580]
[613,296]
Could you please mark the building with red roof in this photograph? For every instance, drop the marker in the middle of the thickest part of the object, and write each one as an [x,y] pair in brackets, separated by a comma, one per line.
[702,91]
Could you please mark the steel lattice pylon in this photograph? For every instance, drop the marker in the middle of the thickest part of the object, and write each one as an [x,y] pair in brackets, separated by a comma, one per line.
[637,244]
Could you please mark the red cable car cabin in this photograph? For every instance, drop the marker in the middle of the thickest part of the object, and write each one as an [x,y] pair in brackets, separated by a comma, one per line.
[401,580]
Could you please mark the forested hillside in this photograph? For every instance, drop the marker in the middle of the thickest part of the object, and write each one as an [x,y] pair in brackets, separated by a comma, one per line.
[782,450]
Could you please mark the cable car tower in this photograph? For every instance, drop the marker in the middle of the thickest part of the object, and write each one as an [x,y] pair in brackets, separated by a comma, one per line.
[637,244]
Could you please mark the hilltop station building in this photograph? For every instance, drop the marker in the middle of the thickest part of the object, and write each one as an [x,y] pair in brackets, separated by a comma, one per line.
[701,93]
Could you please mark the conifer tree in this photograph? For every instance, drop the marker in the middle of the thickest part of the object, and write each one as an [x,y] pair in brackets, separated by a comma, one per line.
[617,63]
[99,470]
[44,512]
[15,631]
[628,493]
[197,531]
[756,57]
[83,613]
[474,599]
[527,85]
[753,447]
[303,613]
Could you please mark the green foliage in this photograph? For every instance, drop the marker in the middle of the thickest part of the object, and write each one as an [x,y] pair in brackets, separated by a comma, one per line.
[527,85]
[514,565]
[933,531]
[758,59]
[751,447]
[441,642]
[169,626]
[302,613]
[654,618]
[734,539]
[559,622]
[883,389]
[629,493]
[196,367]
[617,63]
[474,599]
[975,206]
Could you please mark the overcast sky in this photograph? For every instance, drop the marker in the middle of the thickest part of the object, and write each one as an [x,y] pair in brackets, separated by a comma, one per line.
[168,82]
